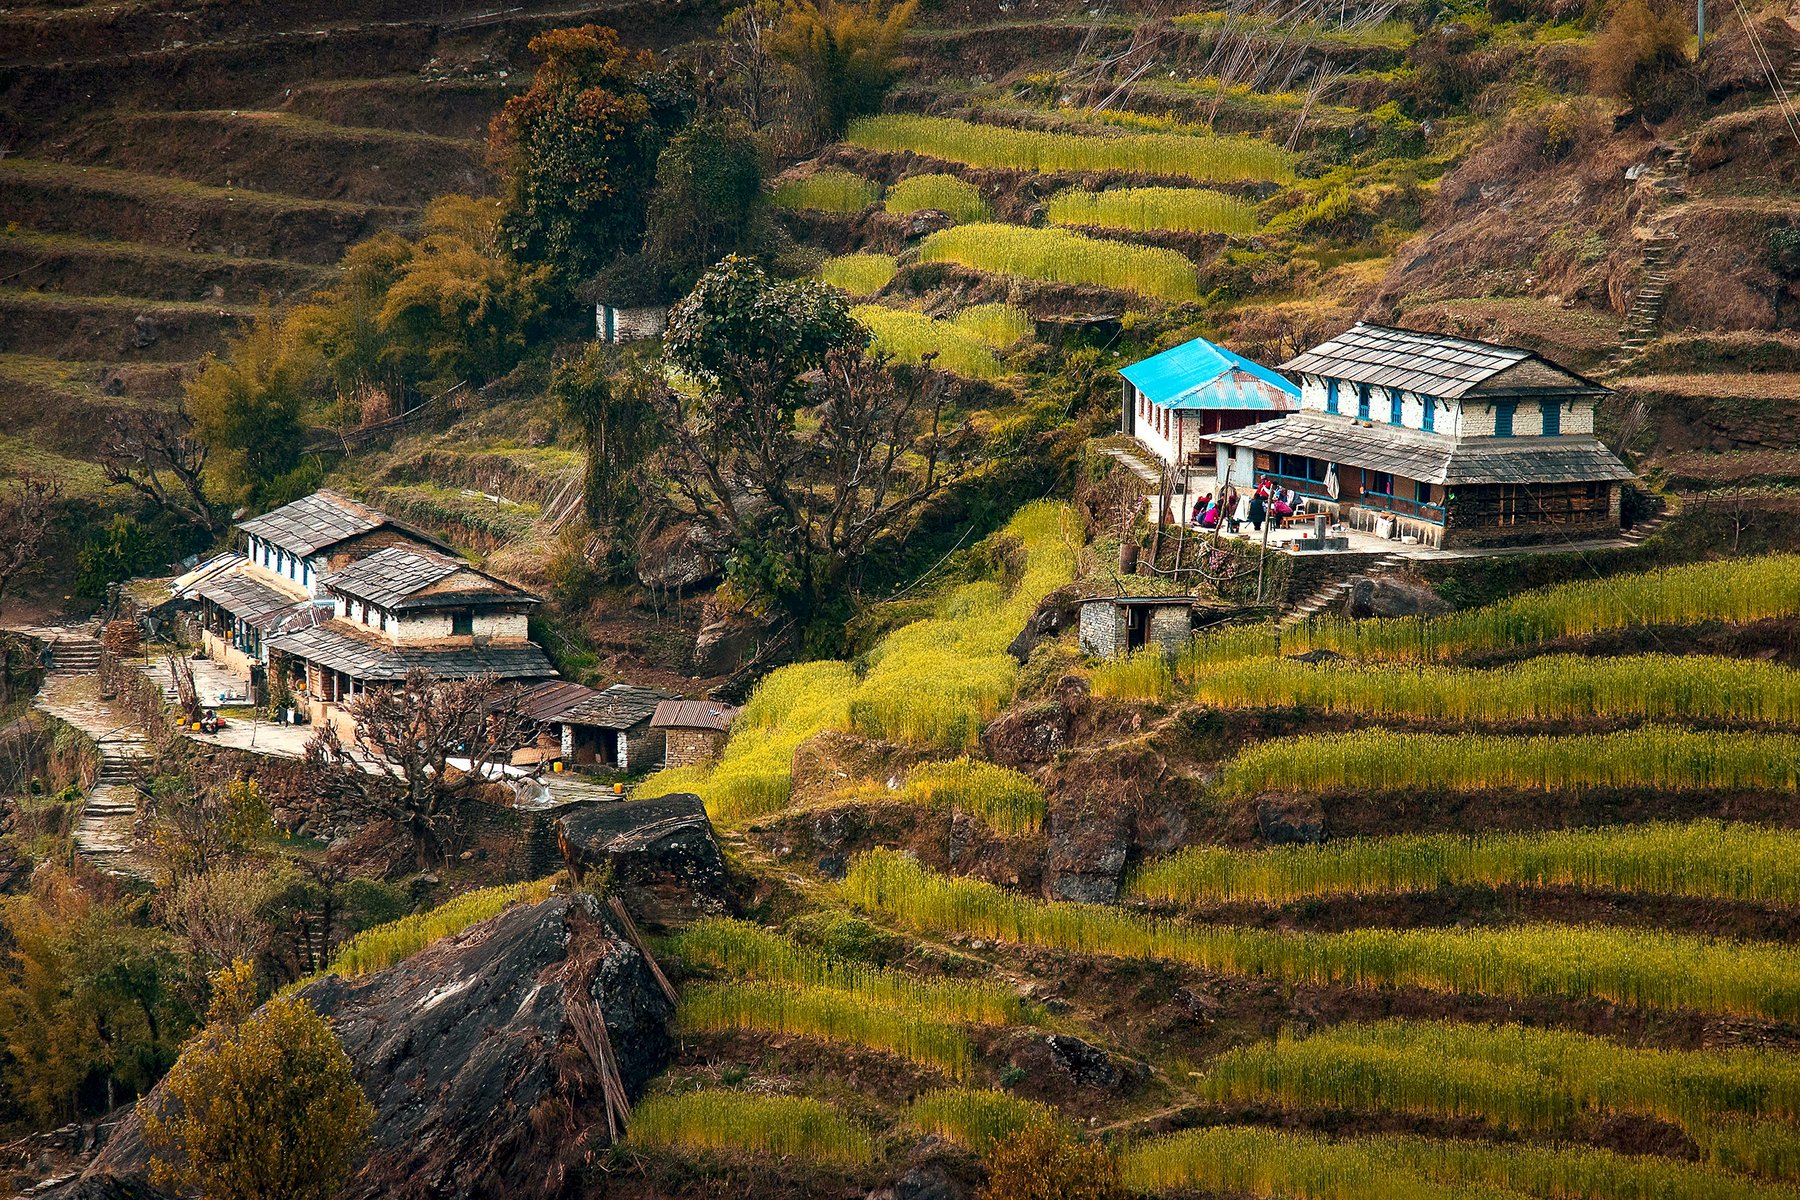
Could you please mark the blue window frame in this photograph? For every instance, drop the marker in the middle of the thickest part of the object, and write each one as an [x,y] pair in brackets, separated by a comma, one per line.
[1331,395]
[1381,483]
[1503,418]
[1552,417]
[1362,401]
[1429,406]
[1396,406]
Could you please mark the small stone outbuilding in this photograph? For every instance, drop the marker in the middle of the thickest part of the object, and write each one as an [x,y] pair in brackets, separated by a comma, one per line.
[694,731]
[1114,626]
[612,729]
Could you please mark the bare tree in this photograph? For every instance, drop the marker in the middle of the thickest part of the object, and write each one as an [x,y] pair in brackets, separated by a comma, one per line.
[157,453]
[751,71]
[25,517]
[423,746]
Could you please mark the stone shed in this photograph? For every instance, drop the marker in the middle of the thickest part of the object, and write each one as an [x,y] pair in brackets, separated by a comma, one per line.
[1113,626]
[612,729]
[694,731]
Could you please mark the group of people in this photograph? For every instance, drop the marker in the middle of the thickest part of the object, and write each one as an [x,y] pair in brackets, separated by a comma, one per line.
[1232,510]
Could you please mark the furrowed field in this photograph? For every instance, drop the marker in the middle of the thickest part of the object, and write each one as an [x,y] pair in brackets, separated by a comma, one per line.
[1705,859]
[1203,159]
[1574,962]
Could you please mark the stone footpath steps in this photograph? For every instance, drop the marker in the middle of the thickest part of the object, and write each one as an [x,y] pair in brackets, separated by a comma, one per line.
[1643,529]
[1337,590]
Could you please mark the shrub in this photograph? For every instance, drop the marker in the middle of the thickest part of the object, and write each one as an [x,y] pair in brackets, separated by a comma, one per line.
[260,1106]
[1042,1162]
[961,201]
[1219,159]
[832,189]
[1061,256]
[1639,55]
[858,274]
[1150,209]
[715,1119]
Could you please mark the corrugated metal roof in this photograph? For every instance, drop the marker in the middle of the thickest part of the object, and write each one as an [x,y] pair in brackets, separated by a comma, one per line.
[331,646]
[1436,458]
[313,522]
[1432,364]
[1202,374]
[693,714]
[618,707]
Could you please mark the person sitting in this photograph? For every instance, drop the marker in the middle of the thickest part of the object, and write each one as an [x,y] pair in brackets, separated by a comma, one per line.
[1281,506]
[1200,506]
[1210,518]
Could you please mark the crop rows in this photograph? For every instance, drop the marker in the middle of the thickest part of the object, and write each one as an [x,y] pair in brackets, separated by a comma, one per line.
[934,682]
[1180,156]
[1575,962]
[959,200]
[832,189]
[976,1118]
[829,1015]
[858,274]
[1065,257]
[717,1119]
[1155,209]
[1738,1106]
[910,336]
[1703,859]
[1271,1163]
[1658,757]
[1005,800]
[742,949]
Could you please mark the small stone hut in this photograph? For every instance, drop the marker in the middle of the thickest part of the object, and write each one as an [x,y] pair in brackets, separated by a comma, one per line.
[1114,626]
[694,731]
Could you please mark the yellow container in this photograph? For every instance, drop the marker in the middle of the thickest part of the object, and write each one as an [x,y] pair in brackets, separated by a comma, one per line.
[618,789]
[196,727]
[556,767]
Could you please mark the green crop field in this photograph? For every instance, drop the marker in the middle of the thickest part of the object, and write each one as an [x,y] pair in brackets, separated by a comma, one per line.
[1575,962]
[1739,1107]
[999,325]
[1062,256]
[959,200]
[975,1118]
[1172,155]
[1378,760]
[859,274]
[910,336]
[1703,859]
[381,947]
[715,1119]
[1155,209]
[829,1015]
[830,190]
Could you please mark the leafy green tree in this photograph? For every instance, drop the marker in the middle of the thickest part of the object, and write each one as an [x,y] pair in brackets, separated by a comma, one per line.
[91,1008]
[708,197]
[611,405]
[249,407]
[847,52]
[577,151]
[265,1103]
[121,549]
[797,449]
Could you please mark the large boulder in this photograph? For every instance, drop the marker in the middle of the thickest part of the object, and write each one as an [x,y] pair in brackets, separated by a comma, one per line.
[481,1057]
[1393,596]
[659,855]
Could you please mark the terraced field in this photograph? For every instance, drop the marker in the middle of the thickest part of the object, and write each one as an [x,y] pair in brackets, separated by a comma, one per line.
[172,166]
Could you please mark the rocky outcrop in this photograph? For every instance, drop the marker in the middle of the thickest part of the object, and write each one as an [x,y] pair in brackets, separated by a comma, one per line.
[1056,613]
[483,1056]
[1392,596]
[677,558]
[1033,736]
[660,856]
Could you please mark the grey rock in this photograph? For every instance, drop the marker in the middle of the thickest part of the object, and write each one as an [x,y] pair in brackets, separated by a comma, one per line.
[1388,596]
[1087,851]
[661,855]
[1287,821]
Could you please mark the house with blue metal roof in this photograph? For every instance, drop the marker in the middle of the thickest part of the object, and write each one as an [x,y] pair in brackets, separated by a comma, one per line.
[1177,402]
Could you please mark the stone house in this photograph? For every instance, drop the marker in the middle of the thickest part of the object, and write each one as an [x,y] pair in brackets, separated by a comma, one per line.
[613,729]
[1443,439]
[694,731]
[1114,626]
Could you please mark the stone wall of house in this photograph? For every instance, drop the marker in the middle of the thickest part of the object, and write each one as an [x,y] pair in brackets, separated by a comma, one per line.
[1171,625]
[1102,631]
[629,324]
[692,747]
[641,748]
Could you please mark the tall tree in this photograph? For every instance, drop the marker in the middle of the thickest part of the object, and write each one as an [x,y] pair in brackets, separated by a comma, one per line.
[407,737]
[747,49]
[26,512]
[577,151]
[249,406]
[708,197]
[848,52]
[158,454]
[797,449]
[613,406]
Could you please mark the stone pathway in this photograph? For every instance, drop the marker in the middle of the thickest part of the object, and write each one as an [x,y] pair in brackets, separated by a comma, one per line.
[105,832]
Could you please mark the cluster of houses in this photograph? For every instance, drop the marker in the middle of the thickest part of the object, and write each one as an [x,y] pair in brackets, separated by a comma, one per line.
[1441,441]
[328,598]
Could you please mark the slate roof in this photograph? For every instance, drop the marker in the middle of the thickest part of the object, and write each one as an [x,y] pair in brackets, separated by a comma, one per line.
[1436,458]
[311,523]
[1201,374]
[547,701]
[693,714]
[620,706]
[401,577]
[1432,364]
[246,597]
[332,647]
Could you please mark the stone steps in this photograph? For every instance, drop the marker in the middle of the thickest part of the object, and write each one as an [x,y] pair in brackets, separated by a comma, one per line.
[1337,590]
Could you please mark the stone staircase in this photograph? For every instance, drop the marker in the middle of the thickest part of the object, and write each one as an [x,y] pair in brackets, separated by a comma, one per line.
[1644,529]
[1338,590]
[1644,318]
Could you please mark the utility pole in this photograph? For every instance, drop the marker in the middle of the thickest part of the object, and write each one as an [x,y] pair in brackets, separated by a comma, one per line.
[1699,27]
